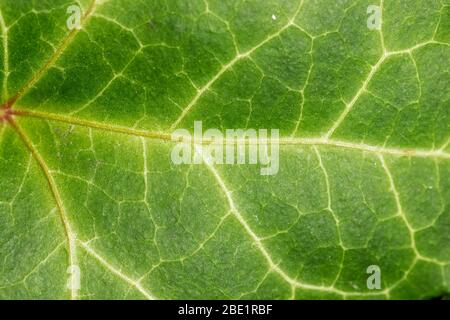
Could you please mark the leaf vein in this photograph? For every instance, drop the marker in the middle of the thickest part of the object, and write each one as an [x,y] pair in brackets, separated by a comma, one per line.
[70,235]
[67,40]
[230,64]
[117,272]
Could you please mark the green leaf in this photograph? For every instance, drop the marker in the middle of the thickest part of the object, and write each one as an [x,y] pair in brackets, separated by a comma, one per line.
[88,187]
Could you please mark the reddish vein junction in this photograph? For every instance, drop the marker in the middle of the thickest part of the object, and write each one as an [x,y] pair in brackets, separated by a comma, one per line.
[6,110]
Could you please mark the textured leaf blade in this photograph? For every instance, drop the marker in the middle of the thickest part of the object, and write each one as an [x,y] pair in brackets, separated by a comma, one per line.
[85,150]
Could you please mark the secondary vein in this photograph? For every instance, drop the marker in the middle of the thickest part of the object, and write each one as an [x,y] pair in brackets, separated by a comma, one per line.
[230,64]
[117,272]
[260,246]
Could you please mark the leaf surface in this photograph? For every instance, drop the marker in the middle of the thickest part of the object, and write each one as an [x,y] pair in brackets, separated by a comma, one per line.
[87,181]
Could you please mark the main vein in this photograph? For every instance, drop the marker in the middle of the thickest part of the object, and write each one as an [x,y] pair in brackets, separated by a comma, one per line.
[439,153]
[67,40]
[70,235]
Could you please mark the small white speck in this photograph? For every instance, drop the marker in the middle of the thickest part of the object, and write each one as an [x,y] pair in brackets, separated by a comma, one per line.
[274,17]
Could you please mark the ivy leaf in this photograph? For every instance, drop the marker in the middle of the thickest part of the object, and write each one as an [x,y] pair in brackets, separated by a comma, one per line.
[91,205]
